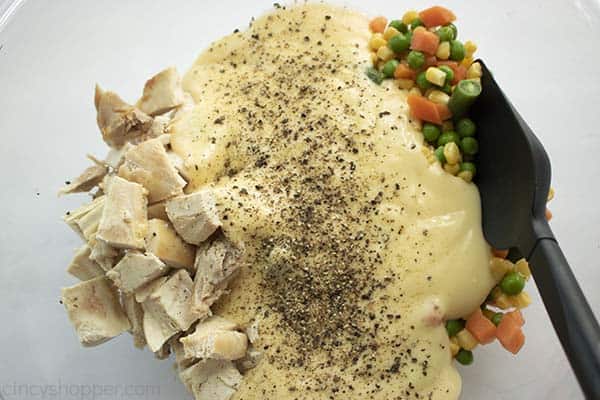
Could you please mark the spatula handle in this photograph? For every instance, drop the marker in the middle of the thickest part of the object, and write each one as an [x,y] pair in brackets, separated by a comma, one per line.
[570,313]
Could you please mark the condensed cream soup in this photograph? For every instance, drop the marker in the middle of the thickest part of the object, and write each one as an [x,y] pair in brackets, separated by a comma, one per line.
[356,247]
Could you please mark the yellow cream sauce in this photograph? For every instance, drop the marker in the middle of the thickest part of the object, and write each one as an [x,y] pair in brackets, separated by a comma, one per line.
[355,246]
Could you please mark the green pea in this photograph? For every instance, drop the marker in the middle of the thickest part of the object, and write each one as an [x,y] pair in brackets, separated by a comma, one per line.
[469,145]
[389,68]
[465,357]
[399,25]
[445,33]
[399,43]
[415,59]
[439,154]
[453,326]
[466,127]
[447,88]
[416,23]
[496,318]
[457,50]
[431,132]
[512,283]
[409,36]
[468,166]
[422,82]
[454,30]
[449,72]
[448,137]
[375,75]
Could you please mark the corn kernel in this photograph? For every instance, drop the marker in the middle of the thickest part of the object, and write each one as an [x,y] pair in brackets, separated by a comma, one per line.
[452,169]
[550,194]
[447,126]
[452,153]
[504,302]
[454,346]
[466,340]
[466,62]
[385,53]
[374,58]
[390,32]
[439,97]
[470,48]
[443,51]
[405,84]
[415,91]
[435,76]
[466,176]
[474,71]
[522,266]
[500,267]
[409,17]
[520,300]
[377,41]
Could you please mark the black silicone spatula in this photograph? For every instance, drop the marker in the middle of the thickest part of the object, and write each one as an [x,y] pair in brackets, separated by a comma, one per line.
[514,178]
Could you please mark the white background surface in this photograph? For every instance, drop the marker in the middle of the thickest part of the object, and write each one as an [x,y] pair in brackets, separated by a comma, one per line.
[545,54]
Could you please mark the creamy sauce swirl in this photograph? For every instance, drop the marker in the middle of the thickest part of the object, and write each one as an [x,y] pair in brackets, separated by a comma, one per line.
[356,247]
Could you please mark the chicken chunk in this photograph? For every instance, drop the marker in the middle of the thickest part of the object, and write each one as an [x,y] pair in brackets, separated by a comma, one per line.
[182,362]
[85,220]
[116,157]
[93,308]
[82,267]
[162,241]
[124,222]
[194,216]
[211,379]
[118,121]
[162,93]
[142,294]
[215,338]
[103,254]
[169,310]
[157,210]
[135,314]
[135,270]
[88,179]
[148,164]
[216,264]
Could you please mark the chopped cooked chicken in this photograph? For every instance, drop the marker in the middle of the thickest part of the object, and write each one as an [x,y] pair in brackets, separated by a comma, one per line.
[194,216]
[148,164]
[94,309]
[124,219]
[157,210]
[163,242]
[116,157]
[104,254]
[88,179]
[135,270]
[82,267]
[135,313]
[168,309]
[162,93]
[86,218]
[216,263]
[118,121]
[211,379]
[142,294]
[164,352]
[215,338]
[181,360]
[160,127]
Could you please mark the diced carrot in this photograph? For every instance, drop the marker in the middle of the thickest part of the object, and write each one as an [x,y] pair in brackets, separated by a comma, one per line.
[430,61]
[516,316]
[444,111]
[424,109]
[436,16]
[378,24]
[460,72]
[481,328]
[500,253]
[548,215]
[510,335]
[425,41]
[403,71]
